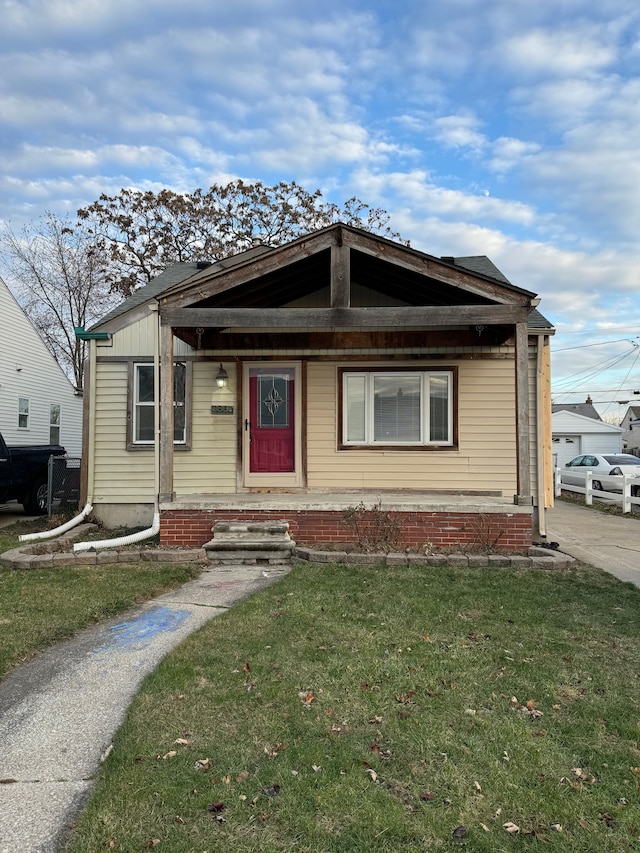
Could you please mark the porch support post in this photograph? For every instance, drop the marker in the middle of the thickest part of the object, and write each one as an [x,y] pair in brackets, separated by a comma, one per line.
[523,452]
[166,414]
[340,274]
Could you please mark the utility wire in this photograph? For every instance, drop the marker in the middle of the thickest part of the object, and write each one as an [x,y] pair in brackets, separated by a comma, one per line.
[624,381]
[595,369]
[599,344]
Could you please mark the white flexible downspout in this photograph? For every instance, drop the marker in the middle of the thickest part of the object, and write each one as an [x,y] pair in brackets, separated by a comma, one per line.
[73,522]
[141,535]
[542,521]
[121,540]
[57,531]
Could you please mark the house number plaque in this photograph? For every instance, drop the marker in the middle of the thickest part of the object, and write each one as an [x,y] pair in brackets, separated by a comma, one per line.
[221,410]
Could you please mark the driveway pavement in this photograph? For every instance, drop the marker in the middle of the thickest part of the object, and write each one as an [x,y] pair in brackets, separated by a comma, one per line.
[59,712]
[609,542]
[12,512]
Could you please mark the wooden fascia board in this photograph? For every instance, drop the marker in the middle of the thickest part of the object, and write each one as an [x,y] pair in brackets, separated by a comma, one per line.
[283,318]
[211,281]
[134,315]
[433,268]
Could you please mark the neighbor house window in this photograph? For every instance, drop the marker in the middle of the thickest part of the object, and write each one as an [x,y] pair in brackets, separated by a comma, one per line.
[23,413]
[54,423]
[141,416]
[397,408]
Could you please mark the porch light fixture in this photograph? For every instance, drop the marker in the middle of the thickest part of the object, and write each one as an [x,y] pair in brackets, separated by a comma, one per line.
[222,378]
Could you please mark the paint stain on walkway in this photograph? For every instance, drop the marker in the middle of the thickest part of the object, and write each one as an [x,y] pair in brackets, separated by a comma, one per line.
[139,632]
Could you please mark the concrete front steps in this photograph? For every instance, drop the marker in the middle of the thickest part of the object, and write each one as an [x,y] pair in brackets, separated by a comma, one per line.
[251,542]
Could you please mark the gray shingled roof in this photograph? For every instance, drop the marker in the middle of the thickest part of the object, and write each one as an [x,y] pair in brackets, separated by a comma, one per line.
[167,278]
[587,410]
[176,274]
[484,266]
[480,264]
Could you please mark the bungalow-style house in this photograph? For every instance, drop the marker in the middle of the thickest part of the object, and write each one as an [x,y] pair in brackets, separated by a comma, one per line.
[38,403]
[578,428]
[296,382]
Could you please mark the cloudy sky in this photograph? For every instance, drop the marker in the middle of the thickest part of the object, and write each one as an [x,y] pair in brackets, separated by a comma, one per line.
[508,128]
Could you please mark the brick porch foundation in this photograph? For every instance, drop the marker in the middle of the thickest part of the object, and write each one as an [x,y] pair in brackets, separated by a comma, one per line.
[502,531]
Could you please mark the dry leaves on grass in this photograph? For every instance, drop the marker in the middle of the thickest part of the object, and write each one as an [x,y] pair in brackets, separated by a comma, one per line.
[529,707]
[581,778]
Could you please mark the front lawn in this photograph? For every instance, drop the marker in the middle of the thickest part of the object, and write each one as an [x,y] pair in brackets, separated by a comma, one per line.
[39,607]
[350,709]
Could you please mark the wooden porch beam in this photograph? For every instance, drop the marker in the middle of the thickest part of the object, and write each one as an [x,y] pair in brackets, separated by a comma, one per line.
[340,275]
[522,415]
[344,318]
[166,414]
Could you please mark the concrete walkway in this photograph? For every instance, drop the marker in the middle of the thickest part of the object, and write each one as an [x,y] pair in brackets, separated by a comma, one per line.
[59,712]
[609,542]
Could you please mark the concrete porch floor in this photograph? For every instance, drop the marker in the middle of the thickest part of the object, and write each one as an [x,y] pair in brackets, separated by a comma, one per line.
[339,501]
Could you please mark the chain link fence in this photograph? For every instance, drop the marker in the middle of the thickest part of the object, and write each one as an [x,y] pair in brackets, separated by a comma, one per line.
[63,486]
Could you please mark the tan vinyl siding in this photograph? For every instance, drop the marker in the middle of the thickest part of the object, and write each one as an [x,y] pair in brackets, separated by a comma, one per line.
[124,476]
[120,476]
[485,458]
[210,465]
[137,339]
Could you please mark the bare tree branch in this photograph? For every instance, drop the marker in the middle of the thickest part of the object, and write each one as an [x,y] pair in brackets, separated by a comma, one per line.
[61,281]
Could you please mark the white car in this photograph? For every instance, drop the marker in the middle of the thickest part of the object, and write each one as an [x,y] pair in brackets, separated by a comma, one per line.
[608,470]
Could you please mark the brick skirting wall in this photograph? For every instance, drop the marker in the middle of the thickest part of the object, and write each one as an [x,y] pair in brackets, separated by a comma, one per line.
[503,531]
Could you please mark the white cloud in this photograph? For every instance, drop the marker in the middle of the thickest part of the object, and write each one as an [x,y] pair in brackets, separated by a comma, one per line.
[415,191]
[460,131]
[576,50]
[508,153]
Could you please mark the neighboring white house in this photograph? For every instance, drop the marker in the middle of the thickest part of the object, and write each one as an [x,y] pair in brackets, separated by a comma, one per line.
[573,434]
[631,426]
[38,403]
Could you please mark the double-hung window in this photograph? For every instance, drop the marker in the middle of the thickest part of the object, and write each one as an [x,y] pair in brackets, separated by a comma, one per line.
[23,413]
[397,408]
[142,404]
[54,423]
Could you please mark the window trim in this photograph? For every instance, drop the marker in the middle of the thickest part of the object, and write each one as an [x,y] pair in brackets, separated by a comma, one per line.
[131,443]
[53,425]
[26,414]
[451,371]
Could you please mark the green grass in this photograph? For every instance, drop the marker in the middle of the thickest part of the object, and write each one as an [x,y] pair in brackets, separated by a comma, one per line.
[42,606]
[411,731]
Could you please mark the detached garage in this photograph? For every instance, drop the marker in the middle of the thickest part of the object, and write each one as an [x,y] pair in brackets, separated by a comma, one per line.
[573,434]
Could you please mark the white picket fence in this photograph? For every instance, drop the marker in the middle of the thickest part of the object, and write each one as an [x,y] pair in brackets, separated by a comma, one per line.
[626,500]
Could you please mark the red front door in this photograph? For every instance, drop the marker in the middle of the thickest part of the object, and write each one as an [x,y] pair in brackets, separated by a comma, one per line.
[271,420]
